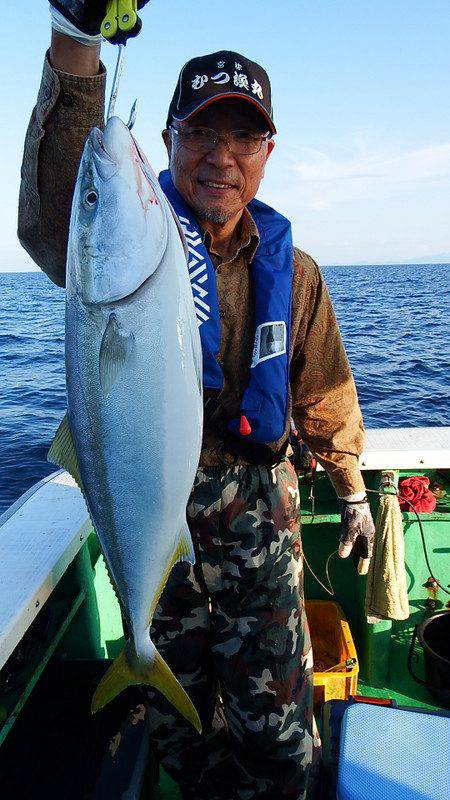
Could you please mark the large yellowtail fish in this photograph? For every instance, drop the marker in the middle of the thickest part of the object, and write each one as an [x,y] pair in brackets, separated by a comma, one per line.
[132,435]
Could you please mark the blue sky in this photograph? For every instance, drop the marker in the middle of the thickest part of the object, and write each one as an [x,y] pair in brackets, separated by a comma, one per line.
[361,99]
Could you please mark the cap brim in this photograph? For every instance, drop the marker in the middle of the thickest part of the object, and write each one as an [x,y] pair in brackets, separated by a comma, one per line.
[194,108]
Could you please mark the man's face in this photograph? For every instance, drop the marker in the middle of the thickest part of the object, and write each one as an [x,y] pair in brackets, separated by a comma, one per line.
[239,176]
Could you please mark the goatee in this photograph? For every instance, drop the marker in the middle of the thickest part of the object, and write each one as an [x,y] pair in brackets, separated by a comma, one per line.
[214,215]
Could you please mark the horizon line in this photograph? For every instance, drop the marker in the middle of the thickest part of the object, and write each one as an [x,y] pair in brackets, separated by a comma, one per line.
[421,263]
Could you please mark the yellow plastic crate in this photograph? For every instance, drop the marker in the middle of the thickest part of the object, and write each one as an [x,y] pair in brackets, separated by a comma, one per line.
[333,646]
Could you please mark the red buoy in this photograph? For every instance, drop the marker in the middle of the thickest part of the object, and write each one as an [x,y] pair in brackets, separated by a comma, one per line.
[244,426]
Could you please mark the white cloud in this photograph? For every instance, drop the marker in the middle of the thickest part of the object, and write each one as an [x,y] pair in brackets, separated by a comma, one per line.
[327,179]
[355,202]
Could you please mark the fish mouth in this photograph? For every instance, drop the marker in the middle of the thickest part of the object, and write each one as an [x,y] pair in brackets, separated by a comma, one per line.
[105,164]
[96,137]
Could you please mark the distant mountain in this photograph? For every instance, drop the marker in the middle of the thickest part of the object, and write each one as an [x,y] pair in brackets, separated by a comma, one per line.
[440,258]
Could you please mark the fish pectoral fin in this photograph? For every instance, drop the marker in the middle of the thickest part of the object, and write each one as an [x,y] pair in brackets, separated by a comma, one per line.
[158,674]
[115,349]
[62,451]
[184,551]
[185,547]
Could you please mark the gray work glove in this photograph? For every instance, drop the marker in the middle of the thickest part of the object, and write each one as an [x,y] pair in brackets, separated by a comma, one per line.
[358,533]
[81,20]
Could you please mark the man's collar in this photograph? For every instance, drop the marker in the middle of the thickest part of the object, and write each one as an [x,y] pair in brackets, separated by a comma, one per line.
[247,238]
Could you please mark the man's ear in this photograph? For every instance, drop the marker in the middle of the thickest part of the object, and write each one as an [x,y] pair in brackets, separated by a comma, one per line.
[270,146]
[167,141]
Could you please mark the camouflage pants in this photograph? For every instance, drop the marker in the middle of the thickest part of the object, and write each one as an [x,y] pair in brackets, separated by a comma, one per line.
[234,631]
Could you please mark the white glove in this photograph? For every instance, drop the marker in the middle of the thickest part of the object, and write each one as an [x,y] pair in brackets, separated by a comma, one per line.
[358,532]
[62,25]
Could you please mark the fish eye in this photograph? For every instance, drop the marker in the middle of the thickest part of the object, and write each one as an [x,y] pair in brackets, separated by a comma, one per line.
[90,198]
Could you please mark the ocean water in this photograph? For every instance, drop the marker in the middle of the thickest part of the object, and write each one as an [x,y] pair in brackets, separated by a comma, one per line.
[394,321]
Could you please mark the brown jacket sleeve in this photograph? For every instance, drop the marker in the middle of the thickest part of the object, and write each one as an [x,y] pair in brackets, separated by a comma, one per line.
[67,107]
[325,405]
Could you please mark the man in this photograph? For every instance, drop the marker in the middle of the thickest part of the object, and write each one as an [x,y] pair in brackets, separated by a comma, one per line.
[233,628]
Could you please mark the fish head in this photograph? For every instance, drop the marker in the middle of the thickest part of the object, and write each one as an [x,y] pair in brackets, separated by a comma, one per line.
[119,223]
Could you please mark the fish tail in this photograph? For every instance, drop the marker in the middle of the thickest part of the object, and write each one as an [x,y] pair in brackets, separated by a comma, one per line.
[158,674]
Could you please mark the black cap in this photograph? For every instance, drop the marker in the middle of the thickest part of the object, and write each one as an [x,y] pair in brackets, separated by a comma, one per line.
[217,76]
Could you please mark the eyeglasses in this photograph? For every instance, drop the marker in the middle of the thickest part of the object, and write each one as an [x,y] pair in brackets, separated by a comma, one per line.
[202,140]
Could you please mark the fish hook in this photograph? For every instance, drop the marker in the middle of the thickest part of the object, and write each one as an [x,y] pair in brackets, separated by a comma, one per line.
[133,115]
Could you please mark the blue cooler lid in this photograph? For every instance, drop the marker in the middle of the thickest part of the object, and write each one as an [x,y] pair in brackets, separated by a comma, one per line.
[392,754]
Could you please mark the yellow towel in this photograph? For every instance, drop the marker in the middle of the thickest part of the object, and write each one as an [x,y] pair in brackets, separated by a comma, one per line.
[386,590]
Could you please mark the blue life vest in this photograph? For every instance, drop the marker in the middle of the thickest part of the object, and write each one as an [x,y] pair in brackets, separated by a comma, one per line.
[265,401]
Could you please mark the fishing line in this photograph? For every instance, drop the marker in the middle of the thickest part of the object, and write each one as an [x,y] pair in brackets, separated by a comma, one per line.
[331,590]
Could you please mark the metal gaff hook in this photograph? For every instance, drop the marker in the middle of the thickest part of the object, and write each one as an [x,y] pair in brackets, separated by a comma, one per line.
[133,115]
[115,83]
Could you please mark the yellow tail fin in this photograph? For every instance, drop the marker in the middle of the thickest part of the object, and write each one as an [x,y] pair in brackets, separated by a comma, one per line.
[120,675]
